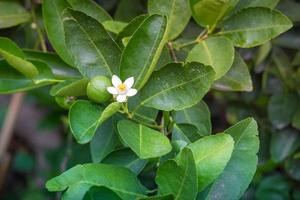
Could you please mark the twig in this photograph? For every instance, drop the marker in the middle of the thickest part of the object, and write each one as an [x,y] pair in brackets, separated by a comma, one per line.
[202,36]
[172,52]
[9,122]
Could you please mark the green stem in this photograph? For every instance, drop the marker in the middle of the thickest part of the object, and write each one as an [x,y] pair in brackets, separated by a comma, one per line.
[38,30]
[202,36]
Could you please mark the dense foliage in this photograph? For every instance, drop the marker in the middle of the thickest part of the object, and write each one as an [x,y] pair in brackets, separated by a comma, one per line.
[213,102]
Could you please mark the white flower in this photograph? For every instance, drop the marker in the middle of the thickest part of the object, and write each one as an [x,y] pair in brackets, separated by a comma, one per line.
[122,90]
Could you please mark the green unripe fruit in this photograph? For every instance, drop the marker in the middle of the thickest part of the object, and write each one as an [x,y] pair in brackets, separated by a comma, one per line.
[97,89]
[64,102]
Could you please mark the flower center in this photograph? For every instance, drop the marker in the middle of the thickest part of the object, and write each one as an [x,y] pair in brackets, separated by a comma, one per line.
[122,87]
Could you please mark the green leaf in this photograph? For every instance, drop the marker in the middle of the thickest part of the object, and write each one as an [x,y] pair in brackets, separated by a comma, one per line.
[291,166]
[93,50]
[178,177]
[163,197]
[255,26]
[91,9]
[262,53]
[12,14]
[126,158]
[104,141]
[85,117]
[211,155]
[12,81]
[114,26]
[128,9]
[255,3]
[240,169]
[268,190]
[281,108]
[296,118]
[98,193]
[15,57]
[238,77]
[176,87]
[197,115]
[142,52]
[53,21]
[186,132]
[76,87]
[290,9]
[76,191]
[218,52]
[283,144]
[177,11]
[129,30]
[208,13]
[144,141]
[119,179]
[59,68]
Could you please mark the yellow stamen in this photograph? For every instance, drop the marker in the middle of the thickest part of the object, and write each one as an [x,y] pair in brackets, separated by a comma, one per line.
[122,87]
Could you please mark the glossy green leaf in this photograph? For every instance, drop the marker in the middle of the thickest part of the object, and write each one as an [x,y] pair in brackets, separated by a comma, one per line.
[211,155]
[126,158]
[59,68]
[53,21]
[141,54]
[144,141]
[12,14]
[100,193]
[255,26]
[238,77]
[240,169]
[94,51]
[186,132]
[114,26]
[283,144]
[177,11]
[119,179]
[197,115]
[281,108]
[76,87]
[12,81]
[15,57]
[209,12]
[91,9]
[178,177]
[129,30]
[85,117]
[104,141]
[255,3]
[218,52]
[273,187]
[176,87]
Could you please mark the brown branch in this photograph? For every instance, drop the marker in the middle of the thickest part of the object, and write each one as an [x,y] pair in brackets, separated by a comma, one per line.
[9,122]
[172,52]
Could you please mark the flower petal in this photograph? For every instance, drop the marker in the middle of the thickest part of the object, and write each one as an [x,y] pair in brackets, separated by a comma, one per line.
[129,82]
[112,90]
[116,81]
[121,98]
[131,92]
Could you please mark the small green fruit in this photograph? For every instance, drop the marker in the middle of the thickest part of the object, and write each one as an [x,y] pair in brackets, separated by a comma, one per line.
[64,102]
[96,89]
